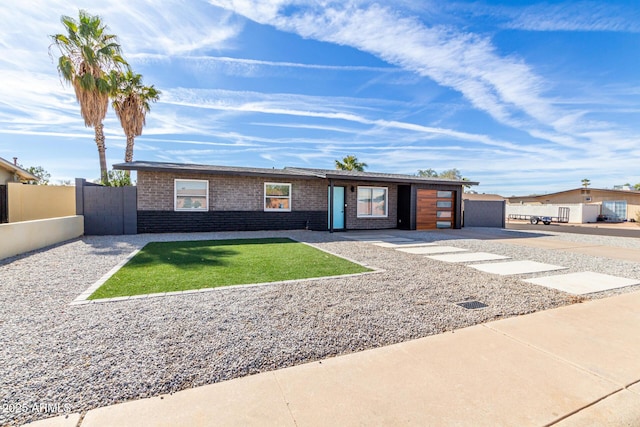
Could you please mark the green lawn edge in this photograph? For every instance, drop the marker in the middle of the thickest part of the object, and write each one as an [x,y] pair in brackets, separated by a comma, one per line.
[198,264]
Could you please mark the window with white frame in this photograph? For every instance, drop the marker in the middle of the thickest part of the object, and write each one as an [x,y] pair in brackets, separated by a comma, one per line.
[372,202]
[277,197]
[191,195]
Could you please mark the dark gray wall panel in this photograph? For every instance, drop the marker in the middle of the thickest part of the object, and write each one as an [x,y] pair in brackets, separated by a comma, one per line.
[109,210]
[484,213]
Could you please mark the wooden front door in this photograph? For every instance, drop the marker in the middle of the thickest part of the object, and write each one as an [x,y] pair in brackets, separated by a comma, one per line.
[435,209]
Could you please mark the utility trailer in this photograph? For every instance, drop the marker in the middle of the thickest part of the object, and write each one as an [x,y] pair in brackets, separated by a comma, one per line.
[563,217]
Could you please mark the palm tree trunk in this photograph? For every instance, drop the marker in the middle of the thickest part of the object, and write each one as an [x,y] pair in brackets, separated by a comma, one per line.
[104,177]
[128,154]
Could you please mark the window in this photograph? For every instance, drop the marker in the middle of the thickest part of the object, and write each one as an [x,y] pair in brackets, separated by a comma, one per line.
[615,209]
[277,197]
[443,204]
[444,194]
[372,202]
[191,195]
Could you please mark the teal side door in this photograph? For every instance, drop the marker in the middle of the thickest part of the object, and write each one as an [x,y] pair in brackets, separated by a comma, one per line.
[338,208]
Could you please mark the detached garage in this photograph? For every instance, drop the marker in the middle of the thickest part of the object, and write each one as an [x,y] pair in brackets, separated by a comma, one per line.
[173,197]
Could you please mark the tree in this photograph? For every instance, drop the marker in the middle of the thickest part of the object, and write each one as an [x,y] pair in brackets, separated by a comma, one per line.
[118,178]
[130,101]
[637,187]
[451,174]
[430,173]
[586,182]
[350,163]
[43,175]
[88,53]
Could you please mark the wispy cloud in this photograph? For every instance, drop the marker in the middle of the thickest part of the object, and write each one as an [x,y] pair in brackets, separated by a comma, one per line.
[225,61]
[314,107]
[237,100]
[570,16]
[504,87]
[176,27]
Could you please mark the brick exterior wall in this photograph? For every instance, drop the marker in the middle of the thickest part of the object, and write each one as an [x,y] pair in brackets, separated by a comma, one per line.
[352,222]
[237,203]
[228,192]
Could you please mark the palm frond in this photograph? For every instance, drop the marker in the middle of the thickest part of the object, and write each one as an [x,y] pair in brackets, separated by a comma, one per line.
[131,102]
[88,53]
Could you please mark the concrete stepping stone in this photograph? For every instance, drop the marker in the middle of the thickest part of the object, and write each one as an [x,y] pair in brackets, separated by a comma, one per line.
[516,267]
[468,257]
[433,249]
[369,237]
[584,282]
[396,240]
[412,243]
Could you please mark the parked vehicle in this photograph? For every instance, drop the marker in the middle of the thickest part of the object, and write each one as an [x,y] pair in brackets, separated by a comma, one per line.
[563,217]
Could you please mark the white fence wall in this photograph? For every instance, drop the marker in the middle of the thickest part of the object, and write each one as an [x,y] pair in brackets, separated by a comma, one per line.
[579,213]
[19,237]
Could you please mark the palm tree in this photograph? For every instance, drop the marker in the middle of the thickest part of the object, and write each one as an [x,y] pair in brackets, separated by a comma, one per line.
[586,182]
[87,55]
[131,101]
[350,163]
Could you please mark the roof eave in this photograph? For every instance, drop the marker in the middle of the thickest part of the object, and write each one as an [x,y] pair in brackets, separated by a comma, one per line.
[399,180]
[191,170]
[282,173]
[27,176]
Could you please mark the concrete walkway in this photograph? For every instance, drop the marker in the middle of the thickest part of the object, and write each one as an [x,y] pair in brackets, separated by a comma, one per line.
[573,366]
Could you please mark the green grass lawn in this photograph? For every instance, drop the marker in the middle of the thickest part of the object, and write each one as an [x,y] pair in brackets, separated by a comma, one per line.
[180,266]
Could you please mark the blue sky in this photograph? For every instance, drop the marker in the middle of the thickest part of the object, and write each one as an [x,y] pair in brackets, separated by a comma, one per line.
[525,97]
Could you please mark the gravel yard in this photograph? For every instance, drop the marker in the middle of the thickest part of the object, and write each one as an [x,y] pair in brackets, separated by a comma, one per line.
[77,358]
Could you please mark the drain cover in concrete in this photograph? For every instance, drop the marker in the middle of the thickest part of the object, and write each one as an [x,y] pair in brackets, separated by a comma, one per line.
[411,243]
[423,250]
[583,283]
[468,257]
[516,267]
[472,305]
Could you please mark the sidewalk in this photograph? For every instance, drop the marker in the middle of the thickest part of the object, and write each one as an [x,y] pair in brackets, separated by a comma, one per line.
[572,366]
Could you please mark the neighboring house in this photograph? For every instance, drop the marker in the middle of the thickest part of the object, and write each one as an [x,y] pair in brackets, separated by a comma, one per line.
[173,197]
[10,172]
[614,204]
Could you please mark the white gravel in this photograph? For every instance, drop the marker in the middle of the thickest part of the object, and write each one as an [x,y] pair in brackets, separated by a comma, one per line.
[75,358]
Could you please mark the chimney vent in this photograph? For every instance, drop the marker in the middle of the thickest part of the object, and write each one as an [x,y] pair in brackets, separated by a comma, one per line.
[15,161]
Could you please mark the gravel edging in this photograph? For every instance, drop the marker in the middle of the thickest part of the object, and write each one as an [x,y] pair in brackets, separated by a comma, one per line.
[87,356]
